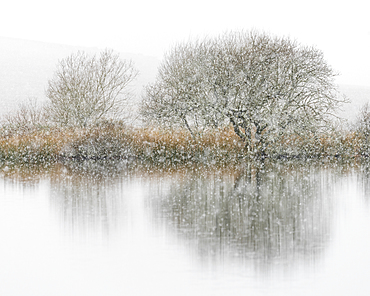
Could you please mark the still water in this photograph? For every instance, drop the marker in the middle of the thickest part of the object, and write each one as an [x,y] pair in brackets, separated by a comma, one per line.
[278,228]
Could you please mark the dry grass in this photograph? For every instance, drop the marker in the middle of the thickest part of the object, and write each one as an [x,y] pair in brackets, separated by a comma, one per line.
[343,144]
[34,147]
[175,146]
[179,146]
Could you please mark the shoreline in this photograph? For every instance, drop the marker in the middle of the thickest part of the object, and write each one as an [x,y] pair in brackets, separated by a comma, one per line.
[159,146]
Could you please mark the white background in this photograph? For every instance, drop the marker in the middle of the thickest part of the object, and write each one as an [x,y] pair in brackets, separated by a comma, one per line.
[341,29]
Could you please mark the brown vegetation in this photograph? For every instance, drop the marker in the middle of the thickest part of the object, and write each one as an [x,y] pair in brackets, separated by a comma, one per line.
[113,142]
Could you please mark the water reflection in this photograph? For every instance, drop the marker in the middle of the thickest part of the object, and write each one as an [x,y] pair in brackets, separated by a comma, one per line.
[165,227]
[90,200]
[267,213]
[364,180]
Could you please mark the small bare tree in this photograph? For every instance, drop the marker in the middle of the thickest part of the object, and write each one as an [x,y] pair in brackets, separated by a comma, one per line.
[87,89]
[28,116]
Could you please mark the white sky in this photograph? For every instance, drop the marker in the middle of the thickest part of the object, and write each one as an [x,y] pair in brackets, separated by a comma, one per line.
[340,28]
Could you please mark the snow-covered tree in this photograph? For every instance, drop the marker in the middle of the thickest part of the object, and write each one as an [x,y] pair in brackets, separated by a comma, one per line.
[264,86]
[362,128]
[87,89]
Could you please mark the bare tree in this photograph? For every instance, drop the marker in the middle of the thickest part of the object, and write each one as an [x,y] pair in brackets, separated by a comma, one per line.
[87,89]
[29,115]
[264,86]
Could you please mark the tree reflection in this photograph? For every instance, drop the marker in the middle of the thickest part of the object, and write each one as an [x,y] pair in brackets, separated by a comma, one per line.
[262,212]
[267,211]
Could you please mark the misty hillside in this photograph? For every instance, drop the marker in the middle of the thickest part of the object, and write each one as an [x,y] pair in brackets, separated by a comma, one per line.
[26,67]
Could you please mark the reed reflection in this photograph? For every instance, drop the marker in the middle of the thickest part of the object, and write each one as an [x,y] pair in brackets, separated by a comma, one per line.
[264,212]
[364,180]
[89,204]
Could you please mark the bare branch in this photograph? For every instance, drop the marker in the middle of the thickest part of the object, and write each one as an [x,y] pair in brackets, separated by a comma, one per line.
[87,89]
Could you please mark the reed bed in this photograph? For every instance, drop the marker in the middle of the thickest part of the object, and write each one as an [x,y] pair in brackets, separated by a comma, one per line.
[154,145]
[175,146]
[344,145]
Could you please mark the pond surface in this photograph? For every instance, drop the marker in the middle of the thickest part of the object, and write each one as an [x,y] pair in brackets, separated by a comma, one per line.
[278,228]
